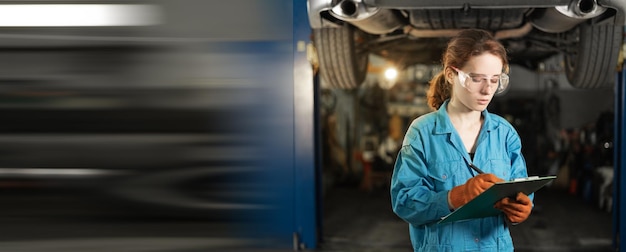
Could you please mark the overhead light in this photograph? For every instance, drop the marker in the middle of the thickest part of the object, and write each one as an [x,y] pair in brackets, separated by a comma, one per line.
[76,15]
[391,73]
[388,80]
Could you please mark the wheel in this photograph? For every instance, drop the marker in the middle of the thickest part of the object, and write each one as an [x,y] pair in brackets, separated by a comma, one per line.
[593,61]
[342,59]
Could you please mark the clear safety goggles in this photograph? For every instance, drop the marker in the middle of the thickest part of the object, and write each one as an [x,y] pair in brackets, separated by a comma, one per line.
[475,82]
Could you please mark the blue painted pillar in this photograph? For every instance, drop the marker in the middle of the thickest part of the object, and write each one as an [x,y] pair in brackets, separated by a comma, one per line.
[619,213]
[306,205]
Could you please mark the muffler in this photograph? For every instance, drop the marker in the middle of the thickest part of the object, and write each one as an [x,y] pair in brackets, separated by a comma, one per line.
[565,17]
[373,20]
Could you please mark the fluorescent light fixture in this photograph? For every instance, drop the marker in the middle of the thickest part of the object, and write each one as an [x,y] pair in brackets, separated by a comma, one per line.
[73,15]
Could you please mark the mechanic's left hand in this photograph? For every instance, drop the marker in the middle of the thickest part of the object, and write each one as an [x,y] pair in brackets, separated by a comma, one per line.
[516,210]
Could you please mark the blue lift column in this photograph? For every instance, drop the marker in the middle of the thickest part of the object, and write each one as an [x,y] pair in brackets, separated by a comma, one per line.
[305,137]
[619,199]
[287,129]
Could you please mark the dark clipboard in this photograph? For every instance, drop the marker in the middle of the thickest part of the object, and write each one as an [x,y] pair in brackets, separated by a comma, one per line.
[482,205]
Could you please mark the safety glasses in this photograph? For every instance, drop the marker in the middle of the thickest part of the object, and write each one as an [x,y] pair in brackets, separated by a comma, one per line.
[475,82]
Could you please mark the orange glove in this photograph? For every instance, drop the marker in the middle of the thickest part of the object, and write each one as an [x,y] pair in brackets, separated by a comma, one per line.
[516,210]
[462,194]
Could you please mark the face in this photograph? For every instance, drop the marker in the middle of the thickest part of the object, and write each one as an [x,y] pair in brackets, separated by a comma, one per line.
[481,74]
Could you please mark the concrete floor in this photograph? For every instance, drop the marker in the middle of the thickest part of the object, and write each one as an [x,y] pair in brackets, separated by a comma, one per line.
[354,220]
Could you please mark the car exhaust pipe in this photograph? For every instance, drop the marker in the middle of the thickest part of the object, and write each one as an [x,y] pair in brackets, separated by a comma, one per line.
[373,20]
[565,17]
[583,9]
[347,9]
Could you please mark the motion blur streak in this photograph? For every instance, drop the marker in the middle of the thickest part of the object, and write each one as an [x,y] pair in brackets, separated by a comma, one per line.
[145,138]
[31,15]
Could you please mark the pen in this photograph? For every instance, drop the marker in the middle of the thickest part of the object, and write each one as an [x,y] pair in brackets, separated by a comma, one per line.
[476,168]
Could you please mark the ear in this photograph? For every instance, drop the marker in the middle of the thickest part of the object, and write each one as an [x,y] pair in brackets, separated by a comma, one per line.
[449,74]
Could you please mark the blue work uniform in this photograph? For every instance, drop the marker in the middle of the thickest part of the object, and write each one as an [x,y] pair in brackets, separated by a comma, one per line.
[432,161]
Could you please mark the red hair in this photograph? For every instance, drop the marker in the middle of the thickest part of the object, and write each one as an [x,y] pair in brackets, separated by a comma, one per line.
[468,43]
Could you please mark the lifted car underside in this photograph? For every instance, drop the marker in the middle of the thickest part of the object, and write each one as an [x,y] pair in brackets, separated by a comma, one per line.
[587,32]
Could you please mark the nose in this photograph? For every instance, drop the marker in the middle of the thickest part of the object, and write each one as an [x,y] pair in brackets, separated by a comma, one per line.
[486,87]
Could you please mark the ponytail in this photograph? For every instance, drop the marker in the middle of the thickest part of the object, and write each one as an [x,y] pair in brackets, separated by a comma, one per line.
[439,91]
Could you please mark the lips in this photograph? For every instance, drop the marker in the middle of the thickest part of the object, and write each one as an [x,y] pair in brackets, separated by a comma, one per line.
[483,101]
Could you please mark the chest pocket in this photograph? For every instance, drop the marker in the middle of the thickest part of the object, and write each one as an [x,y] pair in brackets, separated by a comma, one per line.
[501,168]
[445,175]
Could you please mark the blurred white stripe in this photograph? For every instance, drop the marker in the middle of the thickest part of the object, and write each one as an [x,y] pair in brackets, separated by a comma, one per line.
[63,172]
[73,15]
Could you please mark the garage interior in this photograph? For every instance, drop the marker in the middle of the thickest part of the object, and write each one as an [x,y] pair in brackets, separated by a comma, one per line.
[565,132]
[207,112]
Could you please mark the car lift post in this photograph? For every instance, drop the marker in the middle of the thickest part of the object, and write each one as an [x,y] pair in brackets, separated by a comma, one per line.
[305,92]
[619,198]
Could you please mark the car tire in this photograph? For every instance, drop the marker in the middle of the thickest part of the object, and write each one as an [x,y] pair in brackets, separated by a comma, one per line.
[342,64]
[591,63]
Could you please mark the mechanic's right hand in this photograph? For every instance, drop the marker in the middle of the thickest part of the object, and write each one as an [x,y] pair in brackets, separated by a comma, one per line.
[462,194]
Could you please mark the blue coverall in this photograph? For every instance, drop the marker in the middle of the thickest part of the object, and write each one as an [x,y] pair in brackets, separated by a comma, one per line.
[432,161]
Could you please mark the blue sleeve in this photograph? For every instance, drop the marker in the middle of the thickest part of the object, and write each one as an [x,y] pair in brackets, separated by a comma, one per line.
[413,197]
